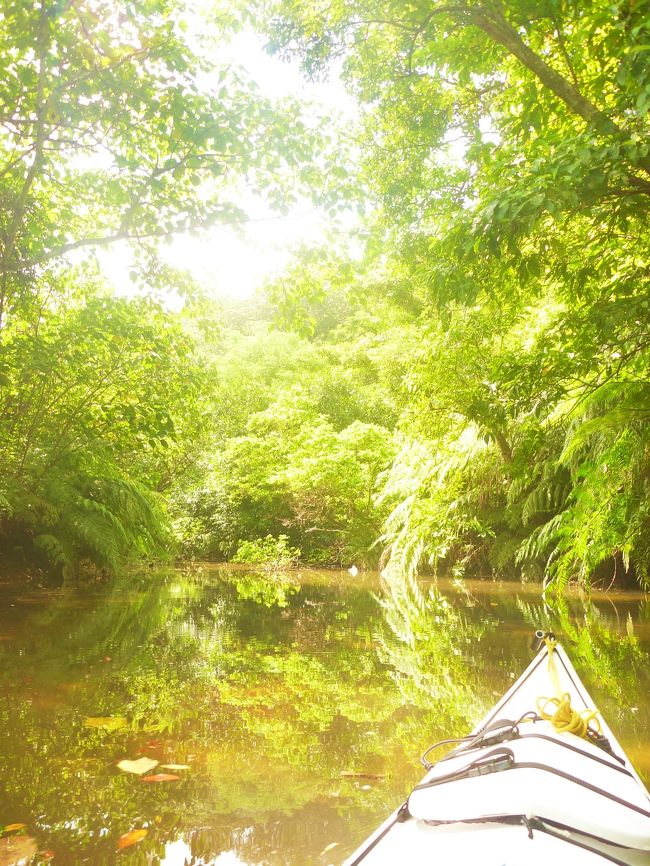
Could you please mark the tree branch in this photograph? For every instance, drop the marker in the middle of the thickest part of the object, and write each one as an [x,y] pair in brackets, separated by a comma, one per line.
[107,240]
[494,24]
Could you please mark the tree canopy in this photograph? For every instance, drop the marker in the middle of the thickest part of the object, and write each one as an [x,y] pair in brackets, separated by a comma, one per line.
[462,385]
[117,125]
[505,149]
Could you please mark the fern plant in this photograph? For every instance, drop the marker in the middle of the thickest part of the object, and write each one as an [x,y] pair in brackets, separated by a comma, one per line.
[607,511]
[105,520]
[443,497]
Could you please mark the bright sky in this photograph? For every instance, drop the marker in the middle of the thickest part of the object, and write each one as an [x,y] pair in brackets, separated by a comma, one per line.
[234,262]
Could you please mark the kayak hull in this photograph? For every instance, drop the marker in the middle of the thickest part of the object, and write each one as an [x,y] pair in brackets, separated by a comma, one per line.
[517,790]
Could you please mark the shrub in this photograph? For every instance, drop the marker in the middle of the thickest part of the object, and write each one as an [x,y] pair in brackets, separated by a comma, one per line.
[269,552]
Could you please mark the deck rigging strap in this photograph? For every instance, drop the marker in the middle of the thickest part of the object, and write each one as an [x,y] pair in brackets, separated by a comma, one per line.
[543,825]
[497,732]
[503,759]
[504,731]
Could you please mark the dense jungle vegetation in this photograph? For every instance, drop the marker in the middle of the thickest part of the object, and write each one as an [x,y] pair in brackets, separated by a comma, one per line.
[459,383]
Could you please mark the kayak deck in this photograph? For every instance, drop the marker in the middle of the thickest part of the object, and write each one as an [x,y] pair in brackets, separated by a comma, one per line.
[516,790]
[416,843]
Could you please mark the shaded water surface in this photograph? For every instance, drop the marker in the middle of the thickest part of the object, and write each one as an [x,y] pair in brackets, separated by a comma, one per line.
[298,705]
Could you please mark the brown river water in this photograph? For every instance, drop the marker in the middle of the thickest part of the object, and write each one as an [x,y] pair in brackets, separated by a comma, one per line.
[290,711]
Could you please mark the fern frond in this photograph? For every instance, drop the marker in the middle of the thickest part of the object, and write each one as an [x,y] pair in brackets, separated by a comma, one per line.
[58,552]
[538,542]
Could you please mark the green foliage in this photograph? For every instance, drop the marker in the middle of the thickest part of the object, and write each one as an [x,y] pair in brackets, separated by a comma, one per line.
[271,553]
[504,149]
[300,444]
[444,497]
[607,513]
[119,126]
[97,403]
[123,125]
[295,471]
[464,376]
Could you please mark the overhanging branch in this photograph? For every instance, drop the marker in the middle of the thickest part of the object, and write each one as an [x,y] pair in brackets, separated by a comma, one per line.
[494,24]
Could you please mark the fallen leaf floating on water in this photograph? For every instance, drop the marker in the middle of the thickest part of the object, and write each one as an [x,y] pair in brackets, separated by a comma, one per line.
[47,854]
[10,828]
[107,723]
[175,767]
[17,850]
[131,838]
[140,766]
[161,777]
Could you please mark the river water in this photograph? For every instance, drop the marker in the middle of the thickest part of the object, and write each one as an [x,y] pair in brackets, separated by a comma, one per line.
[292,710]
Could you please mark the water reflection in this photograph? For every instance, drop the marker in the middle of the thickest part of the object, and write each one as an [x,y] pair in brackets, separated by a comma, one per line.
[435,648]
[300,704]
[606,643]
[179,853]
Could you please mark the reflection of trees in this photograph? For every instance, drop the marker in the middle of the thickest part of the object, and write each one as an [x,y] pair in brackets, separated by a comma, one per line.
[272,697]
[267,589]
[434,651]
[602,643]
[269,696]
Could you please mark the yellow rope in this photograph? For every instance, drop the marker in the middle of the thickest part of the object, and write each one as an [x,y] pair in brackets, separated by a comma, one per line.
[551,643]
[563,718]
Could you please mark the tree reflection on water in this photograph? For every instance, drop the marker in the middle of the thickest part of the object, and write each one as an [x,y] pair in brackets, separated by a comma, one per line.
[300,704]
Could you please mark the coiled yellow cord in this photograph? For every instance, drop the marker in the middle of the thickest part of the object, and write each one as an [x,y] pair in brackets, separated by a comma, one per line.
[563,718]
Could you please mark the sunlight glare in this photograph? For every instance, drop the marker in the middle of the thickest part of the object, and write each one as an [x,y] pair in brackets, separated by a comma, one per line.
[234,262]
[179,853]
